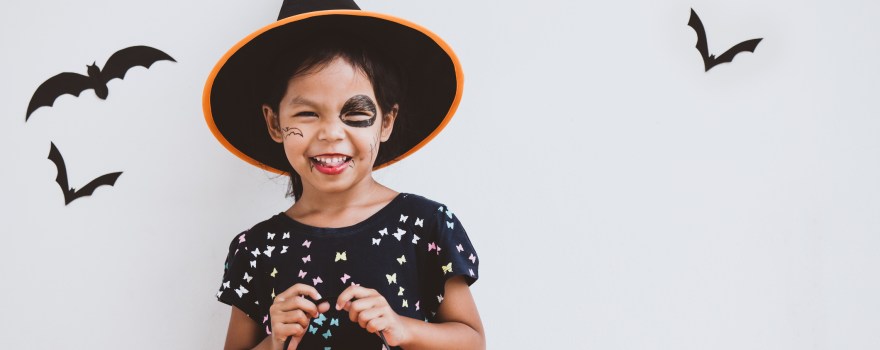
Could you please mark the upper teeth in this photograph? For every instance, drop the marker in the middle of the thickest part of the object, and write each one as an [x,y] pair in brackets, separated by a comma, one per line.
[330,160]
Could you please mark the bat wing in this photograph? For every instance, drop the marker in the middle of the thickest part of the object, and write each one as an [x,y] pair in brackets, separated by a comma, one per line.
[49,90]
[61,178]
[702,43]
[87,190]
[120,62]
[748,45]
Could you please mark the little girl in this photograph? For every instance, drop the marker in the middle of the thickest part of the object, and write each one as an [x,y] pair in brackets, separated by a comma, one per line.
[352,264]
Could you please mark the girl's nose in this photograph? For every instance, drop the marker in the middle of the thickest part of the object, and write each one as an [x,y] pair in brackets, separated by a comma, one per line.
[331,130]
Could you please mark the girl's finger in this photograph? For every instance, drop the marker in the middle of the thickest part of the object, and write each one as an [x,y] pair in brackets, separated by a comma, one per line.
[295,303]
[358,306]
[291,317]
[377,325]
[364,317]
[351,293]
[283,330]
[297,290]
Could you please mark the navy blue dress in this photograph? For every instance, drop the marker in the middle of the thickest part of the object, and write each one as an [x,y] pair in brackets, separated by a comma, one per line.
[406,251]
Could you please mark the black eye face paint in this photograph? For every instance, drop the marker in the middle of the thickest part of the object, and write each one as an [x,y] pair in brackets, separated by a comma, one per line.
[359,111]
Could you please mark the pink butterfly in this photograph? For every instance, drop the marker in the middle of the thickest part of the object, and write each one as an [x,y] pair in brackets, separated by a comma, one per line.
[345,277]
[265,318]
[302,274]
[432,246]
[316,280]
[417,306]
[241,238]
[459,247]
[307,244]
[307,258]
[473,259]
[270,332]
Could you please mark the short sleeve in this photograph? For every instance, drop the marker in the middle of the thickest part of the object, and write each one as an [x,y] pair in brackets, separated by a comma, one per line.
[455,253]
[242,284]
[449,253]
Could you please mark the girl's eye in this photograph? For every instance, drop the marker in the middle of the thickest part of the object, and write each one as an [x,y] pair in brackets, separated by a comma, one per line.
[356,116]
[305,114]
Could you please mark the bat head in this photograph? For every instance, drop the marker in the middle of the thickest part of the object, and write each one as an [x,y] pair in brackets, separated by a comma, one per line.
[93,70]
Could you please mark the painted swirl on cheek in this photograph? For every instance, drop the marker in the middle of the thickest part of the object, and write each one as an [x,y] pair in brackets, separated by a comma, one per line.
[292,131]
[359,106]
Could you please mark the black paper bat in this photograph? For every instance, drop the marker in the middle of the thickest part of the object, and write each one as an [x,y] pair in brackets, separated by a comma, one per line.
[71,194]
[72,83]
[709,60]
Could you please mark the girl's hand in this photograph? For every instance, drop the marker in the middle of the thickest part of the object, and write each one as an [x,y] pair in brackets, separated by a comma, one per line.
[371,311]
[291,313]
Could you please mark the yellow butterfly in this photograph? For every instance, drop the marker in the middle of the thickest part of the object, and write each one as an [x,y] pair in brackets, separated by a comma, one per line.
[274,272]
[340,256]
[405,304]
[447,268]
[400,292]
[401,259]
[392,278]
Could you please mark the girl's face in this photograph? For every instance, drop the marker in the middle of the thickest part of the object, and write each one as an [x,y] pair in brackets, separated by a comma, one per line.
[330,126]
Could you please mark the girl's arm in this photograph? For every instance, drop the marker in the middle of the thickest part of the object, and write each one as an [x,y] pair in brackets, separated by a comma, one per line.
[459,324]
[244,333]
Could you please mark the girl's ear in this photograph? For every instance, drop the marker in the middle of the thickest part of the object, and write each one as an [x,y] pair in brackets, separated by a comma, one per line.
[272,123]
[388,123]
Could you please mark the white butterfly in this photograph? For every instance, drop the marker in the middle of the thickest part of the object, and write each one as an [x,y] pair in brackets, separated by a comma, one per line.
[450,224]
[376,241]
[403,218]
[253,263]
[471,271]
[473,259]
[405,304]
[459,247]
[248,278]
[219,293]
[269,250]
[285,235]
[420,222]
[270,235]
[241,291]
[399,234]
[283,249]
[401,291]
[256,252]
[392,278]
[225,284]
[340,256]
[401,259]
[383,231]
[415,238]
[449,214]
[440,209]
[439,298]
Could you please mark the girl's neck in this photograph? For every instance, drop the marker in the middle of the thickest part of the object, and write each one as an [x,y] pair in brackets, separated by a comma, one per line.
[366,194]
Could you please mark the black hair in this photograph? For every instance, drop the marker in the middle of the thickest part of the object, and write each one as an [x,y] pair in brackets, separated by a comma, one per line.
[315,53]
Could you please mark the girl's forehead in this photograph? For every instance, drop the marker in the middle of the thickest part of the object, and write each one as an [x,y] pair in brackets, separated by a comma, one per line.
[335,81]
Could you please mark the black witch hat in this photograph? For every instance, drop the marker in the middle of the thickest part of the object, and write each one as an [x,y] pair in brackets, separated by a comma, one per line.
[431,72]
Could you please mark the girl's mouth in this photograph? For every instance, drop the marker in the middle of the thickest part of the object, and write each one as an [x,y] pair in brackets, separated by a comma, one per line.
[331,164]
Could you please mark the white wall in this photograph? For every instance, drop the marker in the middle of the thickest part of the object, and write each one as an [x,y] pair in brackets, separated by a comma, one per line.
[620,197]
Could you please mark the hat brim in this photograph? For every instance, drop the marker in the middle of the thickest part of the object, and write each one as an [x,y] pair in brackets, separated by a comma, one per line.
[433,75]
